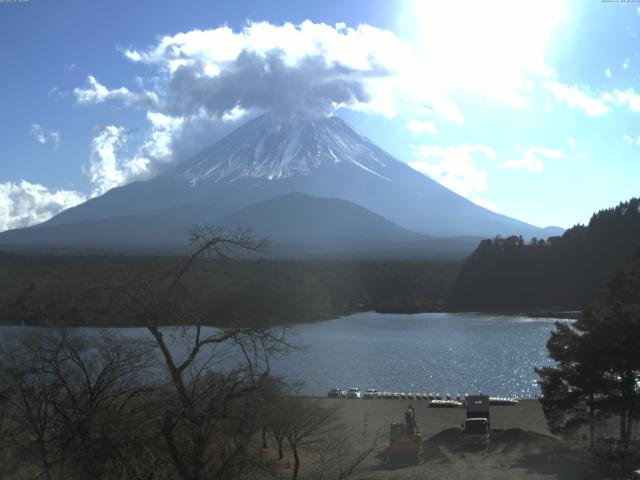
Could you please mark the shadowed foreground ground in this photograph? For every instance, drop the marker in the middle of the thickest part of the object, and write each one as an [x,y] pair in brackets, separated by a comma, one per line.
[521,445]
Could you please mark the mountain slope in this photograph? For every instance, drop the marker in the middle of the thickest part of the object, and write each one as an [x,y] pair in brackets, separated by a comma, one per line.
[269,157]
[296,215]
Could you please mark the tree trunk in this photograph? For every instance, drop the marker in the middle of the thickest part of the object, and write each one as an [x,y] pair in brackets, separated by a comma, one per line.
[627,408]
[296,462]
[45,460]
[279,441]
[623,424]
[591,422]
[264,437]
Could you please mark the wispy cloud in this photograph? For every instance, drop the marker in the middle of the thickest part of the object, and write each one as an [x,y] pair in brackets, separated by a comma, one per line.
[418,127]
[577,97]
[96,93]
[110,166]
[592,103]
[38,133]
[629,140]
[43,137]
[532,158]
[455,167]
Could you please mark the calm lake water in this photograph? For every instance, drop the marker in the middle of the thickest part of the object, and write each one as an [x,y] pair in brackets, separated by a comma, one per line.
[429,352]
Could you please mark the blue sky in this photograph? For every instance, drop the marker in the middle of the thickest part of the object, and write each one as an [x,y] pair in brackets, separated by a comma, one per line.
[528,108]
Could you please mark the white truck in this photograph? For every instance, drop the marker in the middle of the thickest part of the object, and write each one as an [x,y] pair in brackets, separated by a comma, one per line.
[477,424]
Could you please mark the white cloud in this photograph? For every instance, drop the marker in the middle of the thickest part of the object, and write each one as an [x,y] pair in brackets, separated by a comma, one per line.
[311,66]
[54,136]
[23,204]
[454,167]
[448,109]
[575,97]
[265,67]
[109,166]
[38,133]
[418,127]
[626,63]
[626,98]
[105,171]
[43,137]
[629,140]
[579,155]
[607,73]
[97,93]
[485,203]
[594,104]
[532,159]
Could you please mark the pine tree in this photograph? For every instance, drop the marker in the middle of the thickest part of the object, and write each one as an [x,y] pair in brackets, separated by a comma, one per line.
[597,369]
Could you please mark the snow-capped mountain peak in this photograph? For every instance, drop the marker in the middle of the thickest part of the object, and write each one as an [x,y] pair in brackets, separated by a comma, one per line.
[274,147]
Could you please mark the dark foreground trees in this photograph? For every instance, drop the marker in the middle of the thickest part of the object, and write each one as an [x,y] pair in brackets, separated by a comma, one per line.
[71,404]
[185,402]
[215,374]
[597,371]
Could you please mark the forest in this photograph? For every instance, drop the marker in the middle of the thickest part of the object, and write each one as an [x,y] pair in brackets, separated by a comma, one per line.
[74,290]
[501,275]
[559,273]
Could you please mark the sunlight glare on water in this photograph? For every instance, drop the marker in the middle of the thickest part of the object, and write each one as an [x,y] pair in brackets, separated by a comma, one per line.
[430,352]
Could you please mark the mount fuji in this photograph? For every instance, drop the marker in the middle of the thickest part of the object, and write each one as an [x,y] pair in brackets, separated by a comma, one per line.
[312,184]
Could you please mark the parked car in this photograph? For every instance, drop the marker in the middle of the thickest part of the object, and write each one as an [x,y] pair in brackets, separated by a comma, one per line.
[354,393]
[371,393]
[336,393]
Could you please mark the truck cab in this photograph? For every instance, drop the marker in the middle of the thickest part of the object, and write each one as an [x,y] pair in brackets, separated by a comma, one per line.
[476,428]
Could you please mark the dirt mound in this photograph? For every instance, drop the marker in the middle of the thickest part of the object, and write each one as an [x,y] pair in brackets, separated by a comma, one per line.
[450,438]
[517,436]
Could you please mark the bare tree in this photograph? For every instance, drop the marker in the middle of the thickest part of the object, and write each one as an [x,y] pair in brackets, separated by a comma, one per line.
[7,460]
[71,401]
[207,426]
[316,436]
[341,456]
[31,395]
[306,424]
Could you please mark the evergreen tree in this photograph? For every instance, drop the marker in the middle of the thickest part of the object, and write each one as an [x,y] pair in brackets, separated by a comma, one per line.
[597,369]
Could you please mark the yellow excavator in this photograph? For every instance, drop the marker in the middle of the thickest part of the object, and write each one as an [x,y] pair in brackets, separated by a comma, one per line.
[405,442]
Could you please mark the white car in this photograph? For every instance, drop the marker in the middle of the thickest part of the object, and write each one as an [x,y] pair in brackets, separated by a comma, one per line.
[371,393]
[354,393]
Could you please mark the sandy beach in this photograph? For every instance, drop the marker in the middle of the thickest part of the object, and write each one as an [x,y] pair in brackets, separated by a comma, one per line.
[521,446]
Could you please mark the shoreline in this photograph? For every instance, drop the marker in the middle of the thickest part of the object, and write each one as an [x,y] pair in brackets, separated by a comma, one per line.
[556,314]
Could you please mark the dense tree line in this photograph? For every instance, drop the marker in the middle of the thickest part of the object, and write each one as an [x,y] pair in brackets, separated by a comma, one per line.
[597,371]
[568,272]
[225,289]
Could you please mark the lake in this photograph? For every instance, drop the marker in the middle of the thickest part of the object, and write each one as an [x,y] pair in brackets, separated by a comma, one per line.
[428,352]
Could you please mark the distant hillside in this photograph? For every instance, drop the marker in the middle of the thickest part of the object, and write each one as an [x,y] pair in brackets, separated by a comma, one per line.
[567,272]
[296,215]
[297,226]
